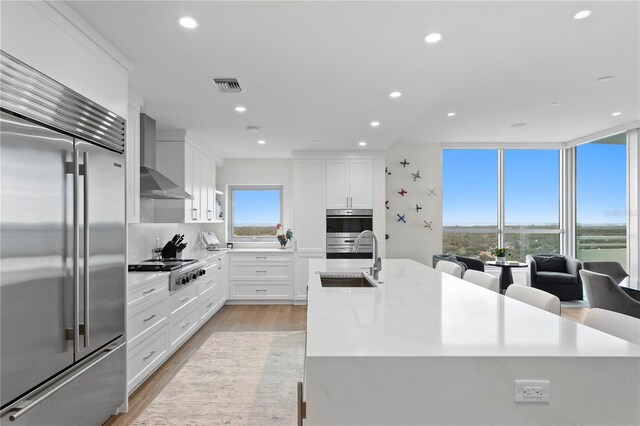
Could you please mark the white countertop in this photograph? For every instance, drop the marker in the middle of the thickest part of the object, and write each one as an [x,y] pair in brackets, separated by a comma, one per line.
[421,312]
[261,250]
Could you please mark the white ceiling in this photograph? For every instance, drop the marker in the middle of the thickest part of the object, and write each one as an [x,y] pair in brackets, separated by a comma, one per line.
[323,70]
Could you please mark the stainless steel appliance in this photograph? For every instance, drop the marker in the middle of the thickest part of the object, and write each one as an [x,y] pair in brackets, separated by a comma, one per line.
[343,227]
[182,272]
[62,288]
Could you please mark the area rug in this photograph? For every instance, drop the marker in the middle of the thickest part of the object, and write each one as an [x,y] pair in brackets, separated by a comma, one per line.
[234,378]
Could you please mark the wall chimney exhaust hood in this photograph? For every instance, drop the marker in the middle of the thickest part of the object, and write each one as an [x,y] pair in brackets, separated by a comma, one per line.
[154,184]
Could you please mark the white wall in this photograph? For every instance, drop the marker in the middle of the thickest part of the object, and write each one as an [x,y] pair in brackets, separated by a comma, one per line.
[51,38]
[256,172]
[412,240]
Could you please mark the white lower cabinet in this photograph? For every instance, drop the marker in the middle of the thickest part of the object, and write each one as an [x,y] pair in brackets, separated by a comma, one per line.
[147,355]
[183,322]
[302,272]
[159,323]
[261,277]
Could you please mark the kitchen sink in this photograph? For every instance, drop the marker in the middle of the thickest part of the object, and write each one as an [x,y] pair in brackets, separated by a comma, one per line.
[344,280]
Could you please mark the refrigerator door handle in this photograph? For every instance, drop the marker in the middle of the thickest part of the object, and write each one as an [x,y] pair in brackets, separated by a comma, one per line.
[76,254]
[27,405]
[85,156]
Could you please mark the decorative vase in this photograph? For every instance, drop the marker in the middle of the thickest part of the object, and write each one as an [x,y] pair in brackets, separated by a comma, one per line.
[501,259]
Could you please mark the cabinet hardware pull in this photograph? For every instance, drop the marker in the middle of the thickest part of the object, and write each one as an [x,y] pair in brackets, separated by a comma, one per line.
[150,318]
[261,257]
[186,324]
[149,291]
[210,305]
[149,356]
[260,289]
[184,299]
[263,272]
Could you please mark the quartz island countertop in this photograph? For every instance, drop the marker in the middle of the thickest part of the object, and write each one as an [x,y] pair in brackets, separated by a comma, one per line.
[419,311]
[424,348]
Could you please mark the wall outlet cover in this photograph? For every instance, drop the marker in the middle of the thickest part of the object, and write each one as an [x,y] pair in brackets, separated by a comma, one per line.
[533,391]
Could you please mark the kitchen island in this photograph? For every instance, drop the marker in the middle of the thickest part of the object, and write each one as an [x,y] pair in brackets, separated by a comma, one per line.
[423,347]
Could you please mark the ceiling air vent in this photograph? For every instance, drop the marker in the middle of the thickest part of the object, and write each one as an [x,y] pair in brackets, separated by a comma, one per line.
[228,85]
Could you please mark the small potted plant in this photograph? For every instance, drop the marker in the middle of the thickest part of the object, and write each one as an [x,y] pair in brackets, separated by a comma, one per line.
[501,254]
[283,237]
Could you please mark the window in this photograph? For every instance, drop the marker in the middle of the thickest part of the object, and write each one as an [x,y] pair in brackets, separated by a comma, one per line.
[254,212]
[507,198]
[531,202]
[601,200]
[469,201]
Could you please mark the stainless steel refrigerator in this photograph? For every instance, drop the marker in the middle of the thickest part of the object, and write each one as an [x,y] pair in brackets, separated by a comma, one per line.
[62,225]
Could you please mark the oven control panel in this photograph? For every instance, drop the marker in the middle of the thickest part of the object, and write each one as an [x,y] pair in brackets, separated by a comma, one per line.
[187,278]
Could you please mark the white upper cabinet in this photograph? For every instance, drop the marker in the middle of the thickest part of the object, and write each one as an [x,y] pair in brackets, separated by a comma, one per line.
[189,167]
[361,184]
[350,184]
[132,150]
[309,204]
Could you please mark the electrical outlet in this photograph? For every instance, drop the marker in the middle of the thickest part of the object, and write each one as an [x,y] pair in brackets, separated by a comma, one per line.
[533,391]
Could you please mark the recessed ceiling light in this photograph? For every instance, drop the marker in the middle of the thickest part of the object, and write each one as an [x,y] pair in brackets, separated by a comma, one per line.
[605,79]
[375,123]
[518,124]
[395,94]
[188,22]
[240,109]
[451,114]
[615,114]
[362,143]
[433,38]
[582,14]
[262,142]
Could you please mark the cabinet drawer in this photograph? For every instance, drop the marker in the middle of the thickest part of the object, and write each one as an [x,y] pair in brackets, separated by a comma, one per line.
[144,357]
[260,257]
[210,303]
[208,281]
[182,298]
[148,289]
[278,290]
[146,317]
[183,324]
[257,271]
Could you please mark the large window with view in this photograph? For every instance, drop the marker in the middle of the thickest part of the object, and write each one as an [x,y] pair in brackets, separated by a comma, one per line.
[469,204]
[531,202]
[601,200]
[255,211]
[501,198]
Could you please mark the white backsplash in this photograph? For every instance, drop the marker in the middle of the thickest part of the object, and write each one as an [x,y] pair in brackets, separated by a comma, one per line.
[142,238]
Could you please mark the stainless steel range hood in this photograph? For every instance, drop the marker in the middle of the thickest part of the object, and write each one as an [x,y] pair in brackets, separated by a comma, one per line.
[154,184]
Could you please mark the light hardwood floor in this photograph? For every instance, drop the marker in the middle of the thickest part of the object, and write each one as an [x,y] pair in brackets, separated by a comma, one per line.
[236,318]
[229,318]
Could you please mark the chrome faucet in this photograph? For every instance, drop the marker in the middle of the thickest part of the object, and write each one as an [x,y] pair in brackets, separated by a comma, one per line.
[377,262]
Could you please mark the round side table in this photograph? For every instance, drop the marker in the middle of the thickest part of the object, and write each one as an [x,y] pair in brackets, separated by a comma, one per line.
[506,277]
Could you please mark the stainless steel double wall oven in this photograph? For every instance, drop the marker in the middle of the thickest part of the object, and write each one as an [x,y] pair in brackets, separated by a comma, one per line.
[343,227]
[62,288]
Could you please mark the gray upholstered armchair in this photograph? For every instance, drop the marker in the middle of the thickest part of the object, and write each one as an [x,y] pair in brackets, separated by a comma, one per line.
[604,293]
[613,269]
[464,262]
[556,274]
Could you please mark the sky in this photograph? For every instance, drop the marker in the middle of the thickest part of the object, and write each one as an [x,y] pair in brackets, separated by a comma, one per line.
[256,207]
[531,186]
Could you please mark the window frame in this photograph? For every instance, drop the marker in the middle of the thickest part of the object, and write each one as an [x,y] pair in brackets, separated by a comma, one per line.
[501,228]
[231,211]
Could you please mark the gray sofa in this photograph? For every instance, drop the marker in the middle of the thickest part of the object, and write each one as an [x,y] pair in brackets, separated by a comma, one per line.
[556,274]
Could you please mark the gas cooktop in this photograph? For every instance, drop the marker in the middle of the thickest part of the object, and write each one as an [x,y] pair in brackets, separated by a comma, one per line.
[154,265]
